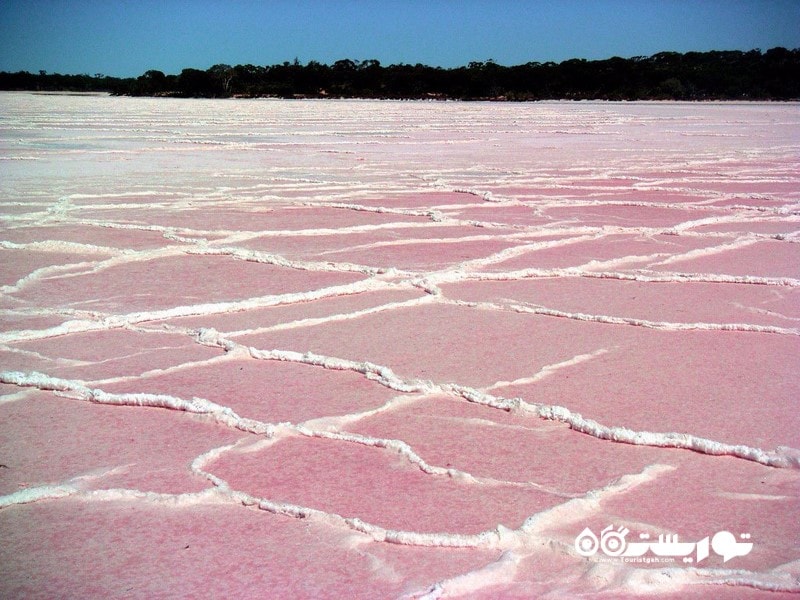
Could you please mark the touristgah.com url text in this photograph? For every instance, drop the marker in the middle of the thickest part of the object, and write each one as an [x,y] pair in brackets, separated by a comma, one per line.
[646,559]
[634,559]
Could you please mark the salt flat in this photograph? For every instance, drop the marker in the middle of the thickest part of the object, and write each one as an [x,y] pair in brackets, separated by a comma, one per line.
[398,349]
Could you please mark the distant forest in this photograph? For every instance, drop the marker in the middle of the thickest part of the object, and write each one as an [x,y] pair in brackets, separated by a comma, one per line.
[716,75]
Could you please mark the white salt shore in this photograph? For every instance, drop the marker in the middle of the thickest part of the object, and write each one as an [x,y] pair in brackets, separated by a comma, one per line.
[329,349]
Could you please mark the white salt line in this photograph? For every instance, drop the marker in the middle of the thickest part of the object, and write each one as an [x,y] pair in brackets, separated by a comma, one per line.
[611,320]
[119,321]
[737,244]
[782,457]
[222,414]
[549,370]
[650,581]
[65,247]
[34,494]
[515,251]
[640,275]
[335,318]
[280,261]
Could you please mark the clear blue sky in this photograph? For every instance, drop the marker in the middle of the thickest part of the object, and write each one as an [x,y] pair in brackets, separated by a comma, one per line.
[128,37]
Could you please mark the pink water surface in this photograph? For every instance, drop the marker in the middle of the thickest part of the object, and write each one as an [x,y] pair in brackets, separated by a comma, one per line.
[397,350]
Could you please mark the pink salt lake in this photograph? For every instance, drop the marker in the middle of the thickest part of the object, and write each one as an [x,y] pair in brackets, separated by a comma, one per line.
[351,349]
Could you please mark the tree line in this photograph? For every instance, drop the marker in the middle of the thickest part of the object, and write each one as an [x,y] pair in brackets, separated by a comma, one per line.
[715,75]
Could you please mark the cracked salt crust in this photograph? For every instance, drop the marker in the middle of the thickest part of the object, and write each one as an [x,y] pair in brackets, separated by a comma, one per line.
[295,314]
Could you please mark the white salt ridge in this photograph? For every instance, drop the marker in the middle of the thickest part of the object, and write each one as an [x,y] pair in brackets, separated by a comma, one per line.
[783,456]
[47,492]
[65,247]
[61,270]
[744,219]
[126,194]
[740,213]
[121,321]
[549,370]
[15,397]
[324,231]
[519,250]
[495,573]
[221,414]
[643,276]
[34,494]
[622,261]
[737,244]
[39,356]
[399,447]
[53,492]
[650,581]
[434,215]
[280,261]
[437,216]
[430,241]
[764,311]
[203,497]
[482,194]
[339,317]
[53,271]
[662,325]
[163,229]
[85,268]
